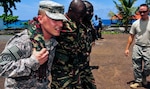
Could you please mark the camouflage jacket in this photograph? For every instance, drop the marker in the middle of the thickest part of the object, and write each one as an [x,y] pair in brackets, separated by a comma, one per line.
[71,56]
[18,67]
[91,35]
[72,45]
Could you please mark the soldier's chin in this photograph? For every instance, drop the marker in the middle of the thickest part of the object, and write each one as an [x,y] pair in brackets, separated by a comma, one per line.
[57,34]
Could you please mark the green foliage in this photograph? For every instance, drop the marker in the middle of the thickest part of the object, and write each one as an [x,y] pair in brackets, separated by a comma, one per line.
[25,23]
[148,3]
[126,10]
[110,14]
[9,18]
[7,5]
[110,32]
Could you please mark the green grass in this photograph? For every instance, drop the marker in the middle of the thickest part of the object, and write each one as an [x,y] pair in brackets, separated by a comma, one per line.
[110,32]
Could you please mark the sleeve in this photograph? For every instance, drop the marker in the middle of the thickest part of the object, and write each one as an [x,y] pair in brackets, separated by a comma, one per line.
[16,60]
[133,28]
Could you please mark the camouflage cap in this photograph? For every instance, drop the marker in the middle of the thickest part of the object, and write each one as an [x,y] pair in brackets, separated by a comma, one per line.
[53,10]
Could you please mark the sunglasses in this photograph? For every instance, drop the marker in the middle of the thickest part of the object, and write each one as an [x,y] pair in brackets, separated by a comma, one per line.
[142,11]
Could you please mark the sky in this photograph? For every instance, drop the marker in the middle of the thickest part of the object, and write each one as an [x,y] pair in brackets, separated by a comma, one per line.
[27,9]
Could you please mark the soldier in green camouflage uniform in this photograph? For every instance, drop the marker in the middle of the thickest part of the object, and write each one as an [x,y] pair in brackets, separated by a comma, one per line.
[86,75]
[26,61]
[70,62]
[88,25]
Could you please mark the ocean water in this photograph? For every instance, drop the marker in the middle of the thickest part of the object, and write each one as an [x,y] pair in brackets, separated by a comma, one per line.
[20,24]
[106,22]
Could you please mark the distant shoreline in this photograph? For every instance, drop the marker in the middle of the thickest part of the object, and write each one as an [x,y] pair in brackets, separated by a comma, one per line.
[10,31]
[5,37]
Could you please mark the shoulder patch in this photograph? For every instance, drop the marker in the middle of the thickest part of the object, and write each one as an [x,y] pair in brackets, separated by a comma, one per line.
[13,53]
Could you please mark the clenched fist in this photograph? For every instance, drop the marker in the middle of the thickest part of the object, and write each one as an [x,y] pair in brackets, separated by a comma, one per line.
[41,56]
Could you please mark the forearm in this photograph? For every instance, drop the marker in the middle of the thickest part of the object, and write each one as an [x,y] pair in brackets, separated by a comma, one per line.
[15,60]
[130,40]
[21,67]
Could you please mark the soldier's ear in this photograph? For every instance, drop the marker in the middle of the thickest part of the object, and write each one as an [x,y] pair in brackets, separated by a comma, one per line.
[40,18]
[70,9]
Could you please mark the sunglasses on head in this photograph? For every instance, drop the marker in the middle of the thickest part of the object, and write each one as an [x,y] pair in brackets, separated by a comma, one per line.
[142,11]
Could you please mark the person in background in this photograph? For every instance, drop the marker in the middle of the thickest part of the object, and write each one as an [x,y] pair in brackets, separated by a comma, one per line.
[86,73]
[141,49]
[26,60]
[68,64]
[87,22]
[100,28]
[96,26]
[91,34]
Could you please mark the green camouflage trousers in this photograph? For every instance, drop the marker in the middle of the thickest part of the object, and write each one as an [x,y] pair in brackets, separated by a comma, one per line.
[72,78]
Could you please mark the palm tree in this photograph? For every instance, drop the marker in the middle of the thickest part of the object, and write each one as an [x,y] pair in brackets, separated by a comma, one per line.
[126,10]
[148,2]
[7,5]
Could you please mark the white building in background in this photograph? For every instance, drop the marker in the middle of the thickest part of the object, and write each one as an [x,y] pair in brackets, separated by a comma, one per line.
[1,24]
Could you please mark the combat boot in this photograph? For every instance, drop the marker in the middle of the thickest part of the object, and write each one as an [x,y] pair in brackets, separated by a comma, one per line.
[135,85]
[144,81]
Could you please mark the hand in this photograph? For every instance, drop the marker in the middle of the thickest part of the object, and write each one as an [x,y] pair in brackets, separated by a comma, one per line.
[93,43]
[126,52]
[41,56]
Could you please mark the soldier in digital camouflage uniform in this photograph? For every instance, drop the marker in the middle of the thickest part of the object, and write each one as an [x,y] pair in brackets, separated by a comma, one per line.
[139,36]
[26,61]
[71,52]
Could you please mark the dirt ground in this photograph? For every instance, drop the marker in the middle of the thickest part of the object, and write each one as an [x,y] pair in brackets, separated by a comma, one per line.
[112,70]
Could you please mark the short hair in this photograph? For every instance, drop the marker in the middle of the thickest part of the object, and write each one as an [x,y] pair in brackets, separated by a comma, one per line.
[144,5]
[41,12]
